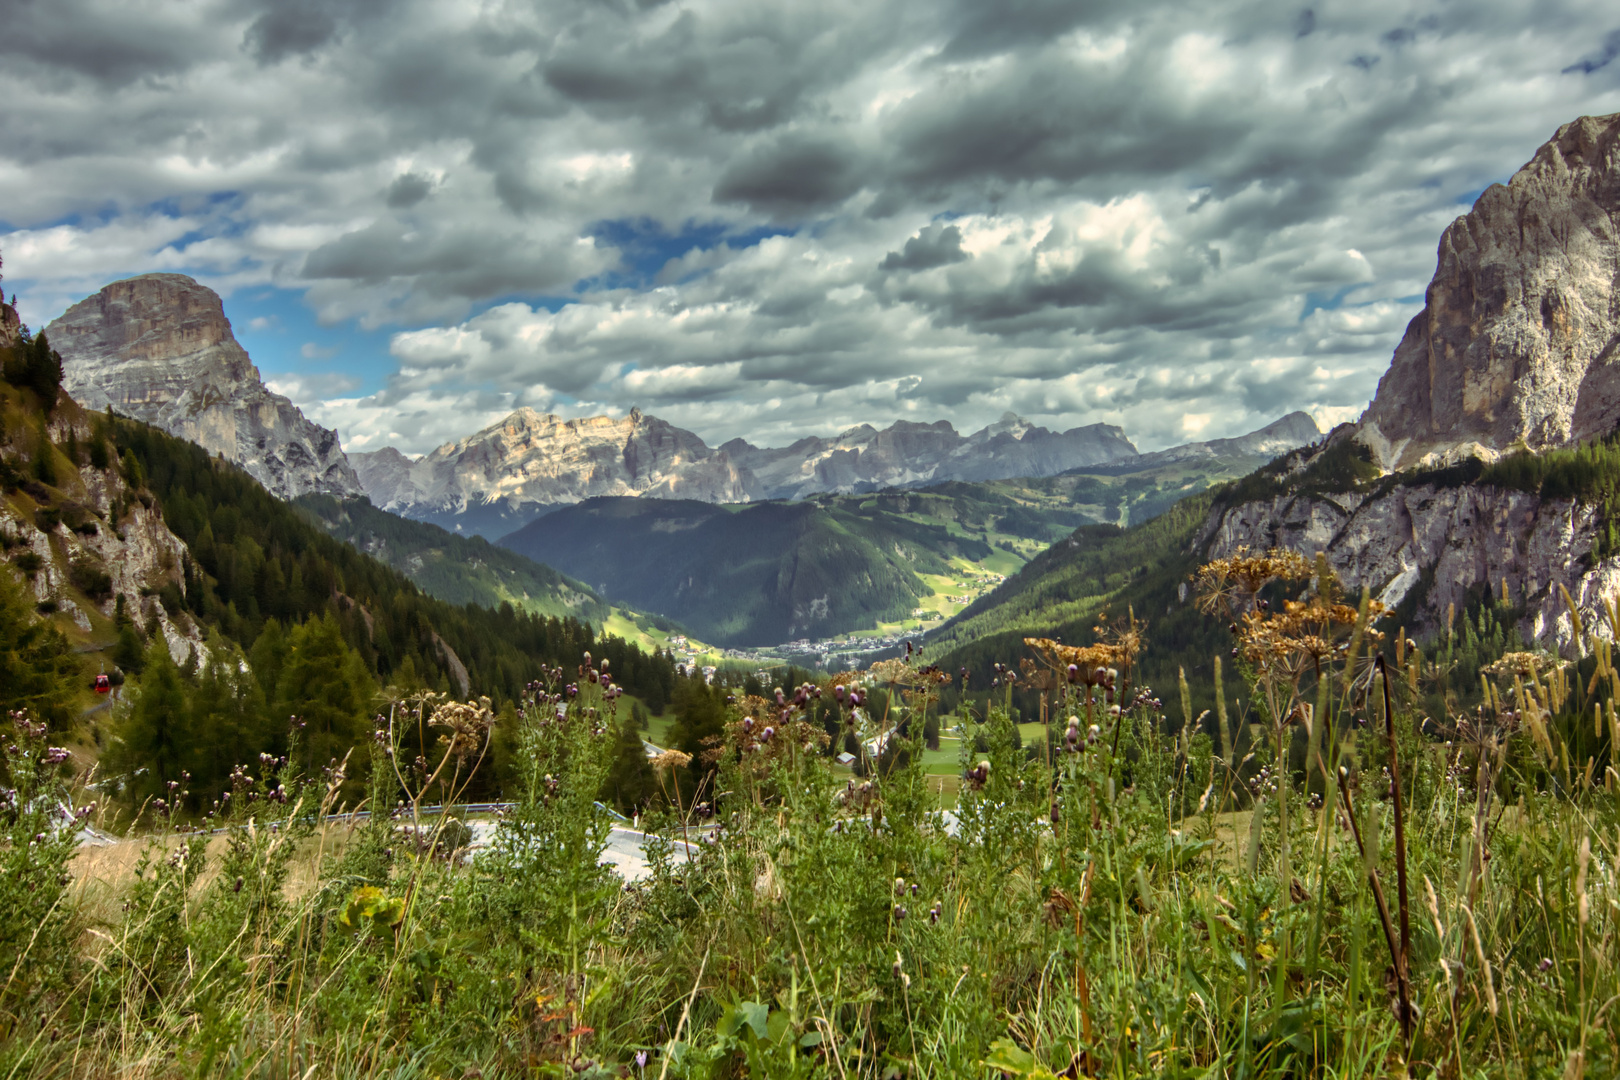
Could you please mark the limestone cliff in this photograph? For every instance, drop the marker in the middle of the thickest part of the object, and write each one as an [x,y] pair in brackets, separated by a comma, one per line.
[159,348]
[1519,338]
[1518,349]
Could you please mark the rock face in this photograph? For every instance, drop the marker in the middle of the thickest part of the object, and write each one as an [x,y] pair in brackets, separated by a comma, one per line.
[1518,339]
[1435,544]
[159,348]
[112,533]
[1518,347]
[909,454]
[508,473]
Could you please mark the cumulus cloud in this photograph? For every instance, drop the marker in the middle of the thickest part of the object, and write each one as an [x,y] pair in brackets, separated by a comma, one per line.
[776,220]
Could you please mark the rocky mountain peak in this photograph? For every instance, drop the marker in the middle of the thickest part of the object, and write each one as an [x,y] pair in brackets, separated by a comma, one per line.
[158,347]
[500,477]
[1519,338]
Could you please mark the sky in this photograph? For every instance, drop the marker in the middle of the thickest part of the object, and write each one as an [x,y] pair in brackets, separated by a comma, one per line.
[769,220]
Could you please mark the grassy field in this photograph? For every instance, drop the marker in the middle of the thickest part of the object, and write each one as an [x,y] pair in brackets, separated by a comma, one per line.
[1357,890]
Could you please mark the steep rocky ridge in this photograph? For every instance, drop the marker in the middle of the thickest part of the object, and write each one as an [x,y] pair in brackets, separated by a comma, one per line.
[159,348]
[500,478]
[1287,433]
[1515,353]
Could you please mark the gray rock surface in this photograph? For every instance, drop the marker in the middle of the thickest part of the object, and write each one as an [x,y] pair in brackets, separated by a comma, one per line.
[500,478]
[135,548]
[1519,339]
[1290,432]
[159,348]
[1435,544]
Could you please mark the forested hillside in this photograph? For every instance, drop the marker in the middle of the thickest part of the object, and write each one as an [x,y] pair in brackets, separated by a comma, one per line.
[458,569]
[257,559]
[227,622]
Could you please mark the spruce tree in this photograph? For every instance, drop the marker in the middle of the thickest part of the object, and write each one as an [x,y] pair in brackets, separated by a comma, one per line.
[35,663]
[631,781]
[326,685]
[155,739]
[45,371]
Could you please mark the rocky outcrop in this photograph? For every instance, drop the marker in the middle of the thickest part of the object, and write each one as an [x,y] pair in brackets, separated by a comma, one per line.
[506,475]
[908,454]
[10,326]
[510,472]
[1518,347]
[91,524]
[1519,339]
[1433,545]
[159,348]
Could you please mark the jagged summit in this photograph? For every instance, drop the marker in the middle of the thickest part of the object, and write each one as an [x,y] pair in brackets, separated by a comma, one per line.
[158,347]
[529,462]
[909,454]
[1519,337]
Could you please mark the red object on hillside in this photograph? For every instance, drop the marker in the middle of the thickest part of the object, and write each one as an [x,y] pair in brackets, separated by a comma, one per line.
[103,684]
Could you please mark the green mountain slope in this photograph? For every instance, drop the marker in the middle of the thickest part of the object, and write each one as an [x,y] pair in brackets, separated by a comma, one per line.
[457,569]
[892,561]
[1097,569]
[754,574]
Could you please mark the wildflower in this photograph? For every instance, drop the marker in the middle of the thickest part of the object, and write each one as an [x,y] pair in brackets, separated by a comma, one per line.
[641,1059]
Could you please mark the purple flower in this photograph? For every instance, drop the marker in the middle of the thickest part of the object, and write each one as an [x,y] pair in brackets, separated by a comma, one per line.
[641,1059]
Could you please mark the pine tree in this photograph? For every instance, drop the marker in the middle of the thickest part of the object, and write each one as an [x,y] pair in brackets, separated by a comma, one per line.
[630,782]
[326,685]
[155,739]
[228,717]
[35,664]
[45,371]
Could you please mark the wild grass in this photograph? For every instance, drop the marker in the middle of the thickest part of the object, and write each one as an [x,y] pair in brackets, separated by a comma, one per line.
[1362,889]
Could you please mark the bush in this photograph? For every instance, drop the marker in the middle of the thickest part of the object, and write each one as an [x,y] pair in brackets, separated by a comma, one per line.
[90,576]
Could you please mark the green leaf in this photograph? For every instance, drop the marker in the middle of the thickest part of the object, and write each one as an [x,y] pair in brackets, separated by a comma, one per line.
[756,1016]
[1009,1057]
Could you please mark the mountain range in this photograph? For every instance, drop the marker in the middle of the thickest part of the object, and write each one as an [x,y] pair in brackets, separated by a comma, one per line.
[530,463]
[159,348]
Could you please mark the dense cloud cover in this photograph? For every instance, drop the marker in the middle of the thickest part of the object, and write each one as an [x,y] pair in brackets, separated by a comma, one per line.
[776,219]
